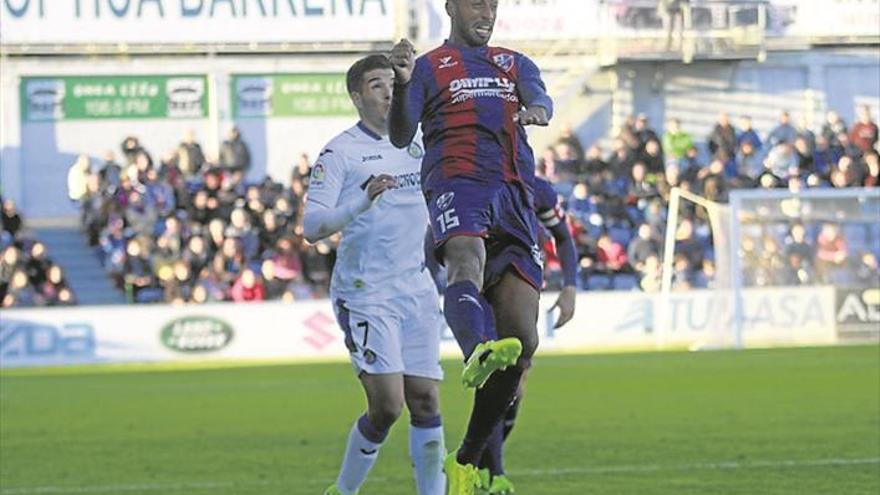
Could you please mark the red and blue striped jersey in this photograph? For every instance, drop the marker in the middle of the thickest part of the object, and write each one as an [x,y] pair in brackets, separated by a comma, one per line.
[466,99]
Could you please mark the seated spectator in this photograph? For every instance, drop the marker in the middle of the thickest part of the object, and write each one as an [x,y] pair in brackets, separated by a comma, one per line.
[9,264]
[248,287]
[640,190]
[690,165]
[55,289]
[240,228]
[676,141]
[796,243]
[749,163]
[11,219]
[211,283]
[851,171]
[831,250]
[686,243]
[682,273]
[20,292]
[37,264]
[234,153]
[804,155]
[77,175]
[781,159]
[595,165]
[748,135]
[868,271]
[723,137]
[797,270]
[644,133]
[847,148]
[274,286]
[621,160]
[864,133]
[196,255]
[138,270]
[642,247]
[651,274]
[610,256]
[704,278]
[784,133]
[288,264]
[653,158]
[833,127]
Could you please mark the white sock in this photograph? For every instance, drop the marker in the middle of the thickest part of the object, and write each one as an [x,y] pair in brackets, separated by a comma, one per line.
[427,449]
[360,455]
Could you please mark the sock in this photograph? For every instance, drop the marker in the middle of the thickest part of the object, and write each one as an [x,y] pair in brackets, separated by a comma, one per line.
[488,319]
[490,404]
[364,442]
[427,450]
[493,454]
[465,315]
[510,417]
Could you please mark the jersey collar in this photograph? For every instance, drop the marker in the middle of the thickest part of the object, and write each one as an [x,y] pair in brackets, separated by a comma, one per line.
[366,130]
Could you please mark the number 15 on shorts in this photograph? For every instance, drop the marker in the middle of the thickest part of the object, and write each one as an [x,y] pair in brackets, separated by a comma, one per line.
[447,220]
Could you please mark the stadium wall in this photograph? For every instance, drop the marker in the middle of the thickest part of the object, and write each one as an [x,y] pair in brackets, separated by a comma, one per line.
[308,330]
[36,152]
[808,84]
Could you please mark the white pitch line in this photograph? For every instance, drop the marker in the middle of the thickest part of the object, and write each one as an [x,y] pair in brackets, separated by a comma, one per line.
[527,473]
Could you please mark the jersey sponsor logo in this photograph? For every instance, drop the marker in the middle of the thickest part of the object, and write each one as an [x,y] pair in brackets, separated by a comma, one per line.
[469,88]
[504,61]
[410,180]
[370,158]
[318,174]
[415,150]
[447,62]
[537,255]
[445,200]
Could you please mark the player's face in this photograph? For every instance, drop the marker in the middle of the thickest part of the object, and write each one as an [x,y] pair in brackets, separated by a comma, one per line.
[374,99]
[472,20]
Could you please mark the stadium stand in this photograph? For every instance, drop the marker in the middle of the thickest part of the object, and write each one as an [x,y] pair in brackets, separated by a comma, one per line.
[187,228]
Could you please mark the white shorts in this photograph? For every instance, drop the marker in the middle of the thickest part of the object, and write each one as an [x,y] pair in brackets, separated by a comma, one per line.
[398,335]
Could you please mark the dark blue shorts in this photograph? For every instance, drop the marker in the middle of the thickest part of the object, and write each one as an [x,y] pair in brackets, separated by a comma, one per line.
[500,213]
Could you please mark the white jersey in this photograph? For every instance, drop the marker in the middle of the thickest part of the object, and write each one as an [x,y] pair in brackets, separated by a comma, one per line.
[381,254]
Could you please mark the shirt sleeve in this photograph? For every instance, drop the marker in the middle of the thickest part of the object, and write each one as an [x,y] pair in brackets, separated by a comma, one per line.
[532,89]
[324,214]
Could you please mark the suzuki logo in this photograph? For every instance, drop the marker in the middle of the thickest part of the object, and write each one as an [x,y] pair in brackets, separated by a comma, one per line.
[320,334]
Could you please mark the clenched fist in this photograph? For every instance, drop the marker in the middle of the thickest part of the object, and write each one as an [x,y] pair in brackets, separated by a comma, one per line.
[403,59]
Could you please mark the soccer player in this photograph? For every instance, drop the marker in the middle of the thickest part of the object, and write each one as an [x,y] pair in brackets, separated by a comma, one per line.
[384,298]
[477,177]
[553,219]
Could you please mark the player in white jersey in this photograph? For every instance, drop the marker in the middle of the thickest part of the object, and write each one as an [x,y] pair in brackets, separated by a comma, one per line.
[383,295]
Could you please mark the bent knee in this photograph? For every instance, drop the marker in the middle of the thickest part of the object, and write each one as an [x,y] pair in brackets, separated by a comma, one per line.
[384,415]
[423,403]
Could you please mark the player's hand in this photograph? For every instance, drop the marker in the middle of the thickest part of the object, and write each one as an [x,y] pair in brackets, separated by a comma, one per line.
[565,303]
[379,185]
[534,115]
[403,60]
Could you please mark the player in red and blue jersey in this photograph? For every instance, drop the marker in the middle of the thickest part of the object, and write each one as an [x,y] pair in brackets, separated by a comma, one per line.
[555,226]
[472,101]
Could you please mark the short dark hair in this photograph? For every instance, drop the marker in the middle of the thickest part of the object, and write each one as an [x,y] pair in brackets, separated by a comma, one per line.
[355,76]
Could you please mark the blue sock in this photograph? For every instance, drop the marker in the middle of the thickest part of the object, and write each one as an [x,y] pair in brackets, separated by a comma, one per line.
[465,315]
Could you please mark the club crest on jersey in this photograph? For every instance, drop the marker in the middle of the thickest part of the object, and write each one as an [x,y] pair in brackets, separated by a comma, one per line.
[415,150]
[445,200]
[447,62]
[504,61]
[317,175]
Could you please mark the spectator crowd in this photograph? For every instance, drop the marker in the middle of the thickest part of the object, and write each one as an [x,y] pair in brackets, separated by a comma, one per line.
[188,228]
[28,277]
[617,201]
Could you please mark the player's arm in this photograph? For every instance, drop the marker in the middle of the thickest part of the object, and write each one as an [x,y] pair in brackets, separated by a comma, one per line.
[567,254]
[533,92]
[407,99]
[325,214]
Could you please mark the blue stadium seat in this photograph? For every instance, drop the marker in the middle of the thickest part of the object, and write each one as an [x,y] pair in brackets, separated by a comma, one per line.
[149,295]
[620,234]
[625,281]
[597,281]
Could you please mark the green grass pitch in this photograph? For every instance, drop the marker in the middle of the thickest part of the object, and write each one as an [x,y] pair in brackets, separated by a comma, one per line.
[787,421]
